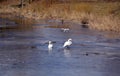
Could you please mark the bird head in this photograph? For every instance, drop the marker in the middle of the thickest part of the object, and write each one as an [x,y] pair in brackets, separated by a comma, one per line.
[50,42]
[69,39]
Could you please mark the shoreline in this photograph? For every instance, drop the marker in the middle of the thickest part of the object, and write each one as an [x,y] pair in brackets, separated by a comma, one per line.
[94,21]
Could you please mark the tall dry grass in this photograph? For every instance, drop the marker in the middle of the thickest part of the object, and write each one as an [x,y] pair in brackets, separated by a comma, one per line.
[100,15]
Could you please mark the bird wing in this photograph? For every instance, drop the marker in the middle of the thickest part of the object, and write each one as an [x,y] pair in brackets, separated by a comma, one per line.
[66,44]
[70,43]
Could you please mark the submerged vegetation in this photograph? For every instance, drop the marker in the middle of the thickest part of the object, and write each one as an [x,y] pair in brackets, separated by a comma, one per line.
[99,15]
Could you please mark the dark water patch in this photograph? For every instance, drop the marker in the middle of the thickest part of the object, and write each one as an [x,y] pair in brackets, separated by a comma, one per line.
[11,47]
[112,40]
[15,22]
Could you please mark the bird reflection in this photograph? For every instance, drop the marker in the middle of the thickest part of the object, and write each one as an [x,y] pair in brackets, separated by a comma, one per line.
[50,51]
[67,52]
[50,47]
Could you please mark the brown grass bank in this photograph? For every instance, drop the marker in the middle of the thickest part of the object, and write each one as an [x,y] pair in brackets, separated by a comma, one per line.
[100,15]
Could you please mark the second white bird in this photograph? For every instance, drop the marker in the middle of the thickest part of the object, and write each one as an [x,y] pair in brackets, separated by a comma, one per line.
[50,45]
[68,43]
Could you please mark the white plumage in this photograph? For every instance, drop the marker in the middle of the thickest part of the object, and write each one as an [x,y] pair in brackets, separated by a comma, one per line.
[50,45]
[65,29]
[68,43]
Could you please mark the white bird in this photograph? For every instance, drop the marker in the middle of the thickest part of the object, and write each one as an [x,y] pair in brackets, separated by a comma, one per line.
[65,29]
[50,45]
[68,43]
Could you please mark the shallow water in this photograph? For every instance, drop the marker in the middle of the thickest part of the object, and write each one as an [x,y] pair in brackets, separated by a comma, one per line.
[25,53]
